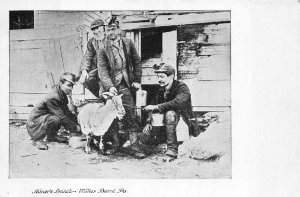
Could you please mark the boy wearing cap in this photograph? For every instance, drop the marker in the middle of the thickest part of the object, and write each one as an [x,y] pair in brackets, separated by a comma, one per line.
[88,69]
[51,113]
[172,99]
[120,72]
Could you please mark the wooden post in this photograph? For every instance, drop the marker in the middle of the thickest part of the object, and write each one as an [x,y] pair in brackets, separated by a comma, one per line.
[169,48]
[138,42]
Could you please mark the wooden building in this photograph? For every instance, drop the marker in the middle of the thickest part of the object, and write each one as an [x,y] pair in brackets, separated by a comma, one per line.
[197,43]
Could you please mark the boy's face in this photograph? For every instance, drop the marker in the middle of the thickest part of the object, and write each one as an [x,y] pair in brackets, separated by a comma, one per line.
[98,32]
[112,32]
[67,87]
[164,80]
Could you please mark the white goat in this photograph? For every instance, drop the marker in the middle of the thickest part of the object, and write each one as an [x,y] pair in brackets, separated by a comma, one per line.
[96,118]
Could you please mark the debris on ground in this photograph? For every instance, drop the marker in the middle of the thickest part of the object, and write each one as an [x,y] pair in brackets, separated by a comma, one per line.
[205,156]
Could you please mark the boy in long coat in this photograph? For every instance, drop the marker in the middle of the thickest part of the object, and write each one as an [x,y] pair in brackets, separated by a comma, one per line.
[88,68]
[51,113]
[119,70]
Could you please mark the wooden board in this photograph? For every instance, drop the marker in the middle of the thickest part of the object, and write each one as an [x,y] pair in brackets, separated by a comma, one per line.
[205,33]
[23,99]
[150,62]
[28,71]
[169,48]
[27,44]
[42,34]
[216,67]
[206,49]
[209,93]
[149,80]
[215,50]
[146,71]
[50,19]
[56,61]
[20,110]
[130,35]
[71,54]
[98,14]
[210,109]
[88,18]
[22,117]
[178,20]
[29,99]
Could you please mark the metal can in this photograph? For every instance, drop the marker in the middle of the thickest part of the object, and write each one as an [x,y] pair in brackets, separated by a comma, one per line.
[141,98]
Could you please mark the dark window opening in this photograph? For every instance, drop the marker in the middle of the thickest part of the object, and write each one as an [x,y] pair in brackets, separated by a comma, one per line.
[21,20]
[151,43]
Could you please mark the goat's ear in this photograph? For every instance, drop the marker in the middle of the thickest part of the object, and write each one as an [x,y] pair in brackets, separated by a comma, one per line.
[120,95]
[107,95]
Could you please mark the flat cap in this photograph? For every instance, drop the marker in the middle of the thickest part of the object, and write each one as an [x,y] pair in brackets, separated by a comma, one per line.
[164,68]
[68,77]
[96,23]
[113,21]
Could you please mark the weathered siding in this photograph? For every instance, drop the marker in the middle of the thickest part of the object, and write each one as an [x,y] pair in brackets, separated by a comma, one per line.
[52,19]
[37,58]
[204,56]
[59,38]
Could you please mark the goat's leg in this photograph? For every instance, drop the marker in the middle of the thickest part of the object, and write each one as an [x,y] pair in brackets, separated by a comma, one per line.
[88,144]
[100,144]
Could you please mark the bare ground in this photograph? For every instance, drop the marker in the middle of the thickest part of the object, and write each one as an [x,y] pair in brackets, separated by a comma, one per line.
[206,156]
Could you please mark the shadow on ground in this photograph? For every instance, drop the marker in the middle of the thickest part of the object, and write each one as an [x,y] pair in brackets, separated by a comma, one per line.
[206,156]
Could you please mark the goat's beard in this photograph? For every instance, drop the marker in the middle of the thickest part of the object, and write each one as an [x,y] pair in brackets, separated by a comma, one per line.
[120,116]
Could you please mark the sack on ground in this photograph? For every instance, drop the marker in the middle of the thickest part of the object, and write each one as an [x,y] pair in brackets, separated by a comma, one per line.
[195,127]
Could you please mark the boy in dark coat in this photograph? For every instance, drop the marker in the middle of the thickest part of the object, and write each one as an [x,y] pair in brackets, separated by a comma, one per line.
[51,113]
[88,68]
[119,70]
[173,99]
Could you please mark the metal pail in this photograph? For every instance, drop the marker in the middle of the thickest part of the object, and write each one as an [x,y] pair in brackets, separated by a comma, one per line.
[77,141]
[141,98]
[157,120]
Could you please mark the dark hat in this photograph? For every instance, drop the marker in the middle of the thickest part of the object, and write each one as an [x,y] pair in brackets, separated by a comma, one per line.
[96,23]
[112,21]
[68,77]
[164,68]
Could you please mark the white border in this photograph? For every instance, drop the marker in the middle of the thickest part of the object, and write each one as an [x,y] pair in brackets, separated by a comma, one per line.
[265,103]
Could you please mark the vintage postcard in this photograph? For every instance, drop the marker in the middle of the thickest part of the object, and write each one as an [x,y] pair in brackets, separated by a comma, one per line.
[123,102]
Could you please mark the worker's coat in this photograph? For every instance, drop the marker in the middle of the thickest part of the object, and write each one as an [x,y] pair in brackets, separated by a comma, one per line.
[55,103]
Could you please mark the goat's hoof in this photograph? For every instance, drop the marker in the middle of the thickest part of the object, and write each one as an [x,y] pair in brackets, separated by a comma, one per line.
[100,152]
[110,152]
[88,151]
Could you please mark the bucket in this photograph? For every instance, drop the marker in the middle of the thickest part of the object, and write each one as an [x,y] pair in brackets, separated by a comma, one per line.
[157,120]
[141,98]
[77,141]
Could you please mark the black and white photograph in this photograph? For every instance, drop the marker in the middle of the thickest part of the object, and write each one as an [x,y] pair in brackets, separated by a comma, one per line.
[150,98]
[126,94]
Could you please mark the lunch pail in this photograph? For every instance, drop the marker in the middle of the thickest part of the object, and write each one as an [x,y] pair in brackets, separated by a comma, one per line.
[157,120]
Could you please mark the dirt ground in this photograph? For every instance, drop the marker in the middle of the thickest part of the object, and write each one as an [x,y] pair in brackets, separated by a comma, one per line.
[206,156]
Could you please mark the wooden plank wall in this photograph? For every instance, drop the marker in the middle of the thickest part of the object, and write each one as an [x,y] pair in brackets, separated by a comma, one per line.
[52,19]
[59,40]
[55,46]
[169,48]
[204,51]
[167,20]
[148,75]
